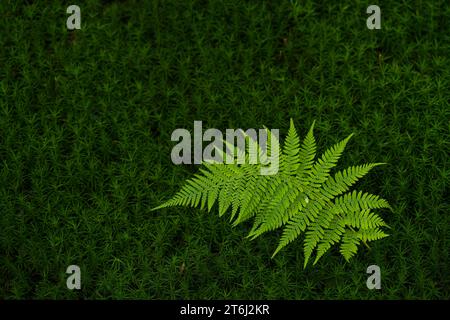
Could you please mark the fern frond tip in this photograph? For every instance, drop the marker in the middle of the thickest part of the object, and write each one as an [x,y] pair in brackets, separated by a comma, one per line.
[162,206]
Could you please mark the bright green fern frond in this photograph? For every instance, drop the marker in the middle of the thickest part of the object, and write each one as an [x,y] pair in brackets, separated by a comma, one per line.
[307,153]
[295,201]
[301,197]
[332,235]
[192,193]
[364,219]
[251,197]
[355,201]
[371,234]
[320,171]
[316,231]
[349,245]
[276,210]
[230,175]
[290,160]
[241,184]
[343,180]
[266,202]
[300,222]
[290,233]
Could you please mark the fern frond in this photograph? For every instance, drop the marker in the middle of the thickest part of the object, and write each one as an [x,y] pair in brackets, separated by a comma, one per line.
[261,214]
[291,160]
[371,234]
[316,231]
[343,180]
[229,176]
[299,223]
[276,209]
[349,245]
[241,184]
[364,219]
[301,197]
[331,236]
[251,197]
[192,193]
[307,153]
[296,201]
[355,201]
[320,171]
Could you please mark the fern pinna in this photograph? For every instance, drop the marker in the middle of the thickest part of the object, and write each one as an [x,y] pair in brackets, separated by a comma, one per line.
[302,197]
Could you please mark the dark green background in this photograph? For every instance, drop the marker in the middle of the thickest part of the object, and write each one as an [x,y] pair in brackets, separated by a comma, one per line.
[86,118]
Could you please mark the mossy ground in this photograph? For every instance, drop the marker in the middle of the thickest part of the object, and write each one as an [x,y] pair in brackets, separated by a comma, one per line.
[85,124]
